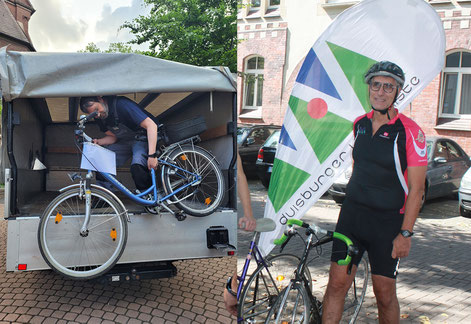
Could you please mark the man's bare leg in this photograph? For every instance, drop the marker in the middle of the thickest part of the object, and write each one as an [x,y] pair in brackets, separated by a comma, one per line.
[386,298]
[334,298]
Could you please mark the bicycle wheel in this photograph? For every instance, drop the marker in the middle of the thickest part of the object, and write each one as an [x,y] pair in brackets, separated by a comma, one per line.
[203,197]
[82,256]
[293,306]
[356,293]
[263,286]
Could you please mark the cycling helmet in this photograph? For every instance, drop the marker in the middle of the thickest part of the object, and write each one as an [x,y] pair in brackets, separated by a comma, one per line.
[386,68]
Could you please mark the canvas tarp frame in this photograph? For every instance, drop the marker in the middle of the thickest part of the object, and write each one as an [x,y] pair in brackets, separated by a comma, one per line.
[43,75]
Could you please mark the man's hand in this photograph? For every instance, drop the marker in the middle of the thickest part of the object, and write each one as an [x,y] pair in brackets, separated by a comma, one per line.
[247,223]
[152,163]
[231,303]
[401,246]
[96,141]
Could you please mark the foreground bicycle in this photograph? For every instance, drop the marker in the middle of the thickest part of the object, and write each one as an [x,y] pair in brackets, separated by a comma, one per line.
[270,275]
[83,231]
[296,303]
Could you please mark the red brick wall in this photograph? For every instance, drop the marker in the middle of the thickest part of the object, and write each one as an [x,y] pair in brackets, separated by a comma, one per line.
[13,46]
[425,108]
[21,15]
[273,49]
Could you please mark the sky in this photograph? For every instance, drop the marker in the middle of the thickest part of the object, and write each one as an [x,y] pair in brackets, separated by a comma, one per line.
[69,25]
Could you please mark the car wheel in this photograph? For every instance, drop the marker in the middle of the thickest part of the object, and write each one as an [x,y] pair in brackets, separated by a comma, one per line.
[464,212]
[338,199]
[422,203]
[265,182]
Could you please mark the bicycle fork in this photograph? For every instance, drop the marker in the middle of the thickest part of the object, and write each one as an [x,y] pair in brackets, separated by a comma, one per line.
[88,204]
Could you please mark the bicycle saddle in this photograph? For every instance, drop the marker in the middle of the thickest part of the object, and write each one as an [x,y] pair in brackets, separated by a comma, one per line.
[265,225]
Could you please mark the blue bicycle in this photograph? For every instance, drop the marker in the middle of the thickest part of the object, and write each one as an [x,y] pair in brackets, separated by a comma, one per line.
[83,231]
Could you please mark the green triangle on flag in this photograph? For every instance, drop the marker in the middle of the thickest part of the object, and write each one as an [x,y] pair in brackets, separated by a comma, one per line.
[324,134]
[288,180]
[354,66]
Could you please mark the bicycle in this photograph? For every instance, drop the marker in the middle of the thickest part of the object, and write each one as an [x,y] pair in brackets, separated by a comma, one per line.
[83,232]
[270,276]
[296,303]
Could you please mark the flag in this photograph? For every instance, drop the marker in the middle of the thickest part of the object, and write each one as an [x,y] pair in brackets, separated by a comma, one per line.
[329,93]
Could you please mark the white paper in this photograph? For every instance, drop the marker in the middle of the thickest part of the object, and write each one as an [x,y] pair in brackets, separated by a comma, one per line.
[97,158]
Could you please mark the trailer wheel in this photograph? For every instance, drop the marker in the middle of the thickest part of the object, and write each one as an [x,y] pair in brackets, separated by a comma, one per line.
[79,254]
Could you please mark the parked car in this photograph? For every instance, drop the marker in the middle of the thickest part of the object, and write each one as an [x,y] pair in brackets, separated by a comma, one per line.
[249,139]
[464,195]
[265,158]
[447,163]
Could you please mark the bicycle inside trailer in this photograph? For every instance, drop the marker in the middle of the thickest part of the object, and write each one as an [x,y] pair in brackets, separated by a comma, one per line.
[39,156]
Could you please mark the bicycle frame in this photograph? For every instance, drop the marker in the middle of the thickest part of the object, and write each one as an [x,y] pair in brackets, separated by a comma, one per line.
[153,188]
[260,260]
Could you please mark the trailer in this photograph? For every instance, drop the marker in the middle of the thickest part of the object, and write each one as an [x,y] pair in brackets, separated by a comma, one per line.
[40,94]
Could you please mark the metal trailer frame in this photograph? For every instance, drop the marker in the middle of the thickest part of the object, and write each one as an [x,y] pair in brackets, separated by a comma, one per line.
[152,238]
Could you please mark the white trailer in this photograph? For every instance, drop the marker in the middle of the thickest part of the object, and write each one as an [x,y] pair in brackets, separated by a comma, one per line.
[40,92]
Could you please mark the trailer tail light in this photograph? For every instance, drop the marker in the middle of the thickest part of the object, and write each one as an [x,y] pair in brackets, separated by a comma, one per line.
[22,267]
[260,155]
[230,253]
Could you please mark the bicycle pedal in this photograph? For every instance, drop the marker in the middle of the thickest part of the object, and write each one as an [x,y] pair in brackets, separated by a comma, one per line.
[180,216]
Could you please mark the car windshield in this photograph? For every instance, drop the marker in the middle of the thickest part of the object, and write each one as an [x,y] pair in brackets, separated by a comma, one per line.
[272,141]
[429,148]
[241,134]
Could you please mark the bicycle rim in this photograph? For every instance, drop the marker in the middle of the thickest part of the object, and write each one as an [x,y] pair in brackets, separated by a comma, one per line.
[291,307]
[203,197]
[356,293]
[76,256]
[264,285]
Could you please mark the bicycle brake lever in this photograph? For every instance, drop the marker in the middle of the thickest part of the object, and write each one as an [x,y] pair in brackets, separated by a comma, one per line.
[352,251]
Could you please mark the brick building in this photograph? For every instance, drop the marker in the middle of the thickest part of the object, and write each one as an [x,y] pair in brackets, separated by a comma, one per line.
[14,19]
[279,34]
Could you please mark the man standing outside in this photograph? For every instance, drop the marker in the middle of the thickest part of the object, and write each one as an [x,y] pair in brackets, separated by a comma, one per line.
[129,132]
[383,196]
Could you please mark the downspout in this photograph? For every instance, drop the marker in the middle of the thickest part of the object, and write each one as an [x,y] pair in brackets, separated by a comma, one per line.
[11,157]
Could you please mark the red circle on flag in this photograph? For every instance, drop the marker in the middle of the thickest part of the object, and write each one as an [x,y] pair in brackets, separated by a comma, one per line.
[317,108]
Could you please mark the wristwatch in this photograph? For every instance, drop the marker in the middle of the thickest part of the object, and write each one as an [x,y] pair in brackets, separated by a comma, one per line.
[229,287]
[406,233]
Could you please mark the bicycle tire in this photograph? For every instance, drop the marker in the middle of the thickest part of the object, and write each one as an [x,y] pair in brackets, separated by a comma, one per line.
[356,294]
[292,306]
[76,256]
[202,198]
[264,285]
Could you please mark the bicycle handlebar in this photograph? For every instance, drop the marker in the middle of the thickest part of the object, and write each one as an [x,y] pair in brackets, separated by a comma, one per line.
[317,230]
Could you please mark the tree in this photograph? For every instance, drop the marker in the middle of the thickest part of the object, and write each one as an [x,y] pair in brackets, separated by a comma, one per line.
[198,32]
[113,48]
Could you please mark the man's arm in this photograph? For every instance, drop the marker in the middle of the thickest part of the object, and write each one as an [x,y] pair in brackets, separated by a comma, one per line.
[416,182]
[109,139]
[151,128]
[247,222]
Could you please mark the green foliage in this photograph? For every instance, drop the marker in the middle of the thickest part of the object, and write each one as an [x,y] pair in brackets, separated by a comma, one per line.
[198,32]
[113,48]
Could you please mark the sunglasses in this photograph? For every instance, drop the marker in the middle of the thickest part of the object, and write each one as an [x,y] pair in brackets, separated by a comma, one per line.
[387,87]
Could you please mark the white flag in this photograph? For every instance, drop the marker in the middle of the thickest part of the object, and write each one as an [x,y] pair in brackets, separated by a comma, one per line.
[329,93]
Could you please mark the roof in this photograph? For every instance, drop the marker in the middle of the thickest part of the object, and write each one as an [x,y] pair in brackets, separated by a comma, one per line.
[9,25]
[48,75]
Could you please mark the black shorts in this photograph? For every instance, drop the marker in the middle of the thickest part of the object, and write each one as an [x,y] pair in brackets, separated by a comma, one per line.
[371,230]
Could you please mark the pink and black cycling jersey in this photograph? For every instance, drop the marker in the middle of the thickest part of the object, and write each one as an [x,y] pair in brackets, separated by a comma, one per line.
[380,161]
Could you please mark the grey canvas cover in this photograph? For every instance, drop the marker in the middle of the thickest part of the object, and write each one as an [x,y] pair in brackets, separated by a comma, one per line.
[43,75]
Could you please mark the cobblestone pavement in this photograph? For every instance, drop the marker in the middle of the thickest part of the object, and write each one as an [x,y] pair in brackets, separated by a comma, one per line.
[434,282]
[194,295]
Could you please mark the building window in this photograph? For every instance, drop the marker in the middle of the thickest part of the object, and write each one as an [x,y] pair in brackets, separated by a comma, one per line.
[255,3]
[253,83]
[456,85]
[274,3]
